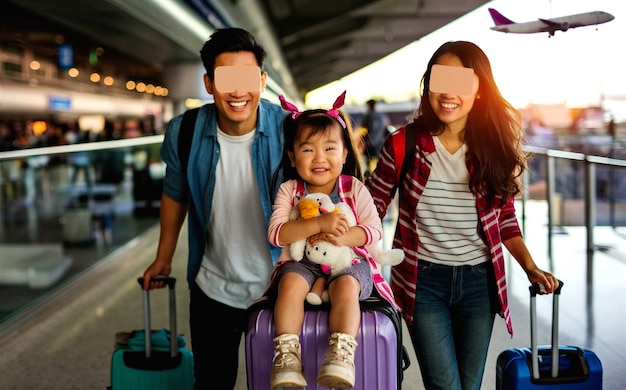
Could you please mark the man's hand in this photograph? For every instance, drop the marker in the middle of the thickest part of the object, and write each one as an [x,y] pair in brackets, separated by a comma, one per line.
[155,269]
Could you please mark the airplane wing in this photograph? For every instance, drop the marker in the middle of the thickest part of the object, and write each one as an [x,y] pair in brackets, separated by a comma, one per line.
[550,22]
[553,25]
[566,23]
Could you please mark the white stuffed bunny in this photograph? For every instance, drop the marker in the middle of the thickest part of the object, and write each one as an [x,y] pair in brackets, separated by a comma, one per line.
[332,258]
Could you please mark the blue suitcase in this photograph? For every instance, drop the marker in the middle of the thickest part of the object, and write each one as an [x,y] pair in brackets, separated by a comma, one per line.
[547,367]
[142,364]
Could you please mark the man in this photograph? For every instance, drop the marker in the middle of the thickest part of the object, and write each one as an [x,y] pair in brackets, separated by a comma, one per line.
[236,146]
[376,124]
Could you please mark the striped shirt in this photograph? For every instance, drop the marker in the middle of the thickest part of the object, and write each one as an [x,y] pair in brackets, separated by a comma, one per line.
[447,221]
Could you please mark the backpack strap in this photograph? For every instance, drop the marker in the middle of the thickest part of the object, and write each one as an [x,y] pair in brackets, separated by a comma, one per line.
[402,156]
[185,135]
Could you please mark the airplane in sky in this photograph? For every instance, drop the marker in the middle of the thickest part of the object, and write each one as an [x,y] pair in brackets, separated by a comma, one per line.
[563,23]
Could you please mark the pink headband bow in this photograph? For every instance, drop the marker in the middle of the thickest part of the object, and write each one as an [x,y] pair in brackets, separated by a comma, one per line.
[334,112]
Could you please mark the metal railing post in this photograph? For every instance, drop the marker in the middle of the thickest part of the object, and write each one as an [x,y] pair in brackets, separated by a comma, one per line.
[549,197]
[590,214]
[611,194]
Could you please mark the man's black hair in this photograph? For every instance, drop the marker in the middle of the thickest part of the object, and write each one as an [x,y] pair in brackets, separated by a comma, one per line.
[229,40]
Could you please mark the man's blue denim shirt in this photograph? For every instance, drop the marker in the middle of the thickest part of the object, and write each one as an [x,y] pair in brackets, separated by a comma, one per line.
[267,149]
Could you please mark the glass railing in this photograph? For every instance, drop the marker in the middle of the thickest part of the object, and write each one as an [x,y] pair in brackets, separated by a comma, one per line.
[63,208]
[583,184]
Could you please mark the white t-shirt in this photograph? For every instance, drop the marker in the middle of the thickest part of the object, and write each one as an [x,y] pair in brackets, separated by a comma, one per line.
[447,219]
[236,265]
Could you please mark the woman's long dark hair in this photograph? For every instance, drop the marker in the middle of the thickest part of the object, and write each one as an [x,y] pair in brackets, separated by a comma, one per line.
[493,132]
[316,122]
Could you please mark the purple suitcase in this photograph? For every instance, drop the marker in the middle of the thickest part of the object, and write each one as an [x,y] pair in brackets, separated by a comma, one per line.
[547,367]
[380,358]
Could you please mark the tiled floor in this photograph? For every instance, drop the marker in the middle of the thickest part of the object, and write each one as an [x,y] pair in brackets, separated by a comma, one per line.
[65,341]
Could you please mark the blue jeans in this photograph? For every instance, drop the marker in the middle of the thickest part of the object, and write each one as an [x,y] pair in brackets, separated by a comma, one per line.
[452,325]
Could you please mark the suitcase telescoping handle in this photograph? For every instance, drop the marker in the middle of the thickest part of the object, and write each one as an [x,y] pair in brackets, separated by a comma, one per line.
[171,283]
[535,289]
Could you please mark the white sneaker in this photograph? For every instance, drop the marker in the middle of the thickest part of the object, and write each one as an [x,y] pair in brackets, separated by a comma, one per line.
[338,368]
[287,364]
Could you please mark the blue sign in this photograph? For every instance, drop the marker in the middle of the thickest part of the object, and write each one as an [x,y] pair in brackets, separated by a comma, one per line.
[58,103]
[207,11]
[66,56]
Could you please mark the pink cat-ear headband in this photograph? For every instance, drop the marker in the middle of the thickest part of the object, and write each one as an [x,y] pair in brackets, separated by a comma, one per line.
[334,112]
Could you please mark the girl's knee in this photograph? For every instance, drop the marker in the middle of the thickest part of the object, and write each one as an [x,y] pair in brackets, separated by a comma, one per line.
[345,287]
[291,283]
[346,281]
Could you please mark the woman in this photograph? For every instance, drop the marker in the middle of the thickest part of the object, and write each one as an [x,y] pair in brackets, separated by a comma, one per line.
[456,211]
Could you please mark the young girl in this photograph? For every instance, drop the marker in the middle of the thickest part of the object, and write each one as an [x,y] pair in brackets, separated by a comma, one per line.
[319,156]
[456,213]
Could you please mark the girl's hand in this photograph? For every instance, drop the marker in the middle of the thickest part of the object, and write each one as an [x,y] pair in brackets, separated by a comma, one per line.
[325,237]
[333,223]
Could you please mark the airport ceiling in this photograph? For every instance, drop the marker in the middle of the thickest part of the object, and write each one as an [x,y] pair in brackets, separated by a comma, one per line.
[310,43]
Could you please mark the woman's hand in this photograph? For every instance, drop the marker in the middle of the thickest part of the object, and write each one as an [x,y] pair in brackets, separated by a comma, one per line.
[546,279]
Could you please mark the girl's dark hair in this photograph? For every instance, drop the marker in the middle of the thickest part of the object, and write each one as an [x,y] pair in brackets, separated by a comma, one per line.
[493,132]
[317,122]
[229,40]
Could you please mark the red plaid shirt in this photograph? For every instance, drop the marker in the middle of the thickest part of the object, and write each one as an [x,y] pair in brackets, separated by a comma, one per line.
[498,223]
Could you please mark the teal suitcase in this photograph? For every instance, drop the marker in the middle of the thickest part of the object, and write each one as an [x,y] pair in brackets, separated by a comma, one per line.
[157,362]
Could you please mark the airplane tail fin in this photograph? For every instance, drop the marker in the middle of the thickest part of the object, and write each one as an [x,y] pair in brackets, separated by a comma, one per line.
[498,18]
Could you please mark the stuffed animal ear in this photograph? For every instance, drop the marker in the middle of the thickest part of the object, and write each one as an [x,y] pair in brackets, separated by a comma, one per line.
[386,256]
[296,250]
